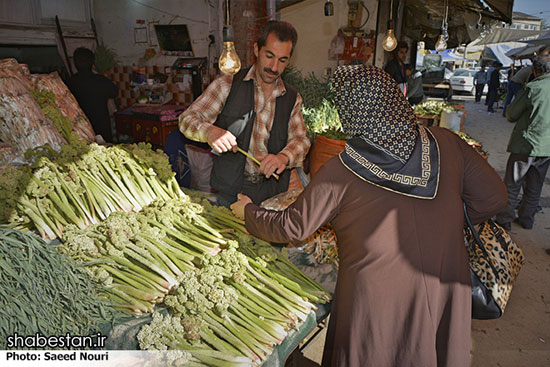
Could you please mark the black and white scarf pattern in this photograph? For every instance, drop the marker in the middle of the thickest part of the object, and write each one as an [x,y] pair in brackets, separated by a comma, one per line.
[385,146]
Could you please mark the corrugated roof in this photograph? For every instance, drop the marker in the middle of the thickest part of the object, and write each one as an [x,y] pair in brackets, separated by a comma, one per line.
[520,15]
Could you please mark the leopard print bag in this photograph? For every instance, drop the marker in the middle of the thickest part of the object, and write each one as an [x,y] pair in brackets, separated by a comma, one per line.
[495,262]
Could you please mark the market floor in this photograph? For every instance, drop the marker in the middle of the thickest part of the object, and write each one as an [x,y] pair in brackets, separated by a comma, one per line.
[522,336]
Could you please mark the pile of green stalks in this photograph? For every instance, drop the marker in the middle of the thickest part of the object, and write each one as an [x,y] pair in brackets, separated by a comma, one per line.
[45,292]
[231,297]
[262,255]
[227,307]
[139,256]
[82,185]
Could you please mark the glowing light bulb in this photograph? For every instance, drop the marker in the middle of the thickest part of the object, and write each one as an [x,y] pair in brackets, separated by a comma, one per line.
[390,42]
[441,44]
[229,62]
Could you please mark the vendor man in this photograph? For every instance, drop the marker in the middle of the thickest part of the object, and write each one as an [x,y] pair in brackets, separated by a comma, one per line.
[257,112]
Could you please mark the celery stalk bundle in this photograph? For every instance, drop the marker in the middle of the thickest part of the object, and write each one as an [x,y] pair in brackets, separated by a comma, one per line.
[140,256]
[82,185]
[227,310]
[263,257]
[232,298]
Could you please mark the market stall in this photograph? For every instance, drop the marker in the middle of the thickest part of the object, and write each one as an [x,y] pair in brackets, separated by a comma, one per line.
[177,271]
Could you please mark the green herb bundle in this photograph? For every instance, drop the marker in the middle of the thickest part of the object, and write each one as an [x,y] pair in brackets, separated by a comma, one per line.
[44,292]
[320,113]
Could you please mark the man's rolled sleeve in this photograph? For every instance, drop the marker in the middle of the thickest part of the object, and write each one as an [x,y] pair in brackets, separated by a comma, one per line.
[297,144]
[196,121]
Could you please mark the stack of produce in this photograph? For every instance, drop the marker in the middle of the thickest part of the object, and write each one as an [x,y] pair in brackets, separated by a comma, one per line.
[473,143]
[63,104]
[82,185]
[36,110]
[44,292]
[122,216]
[320,113]
[139,256]
[432,108]
[232,297]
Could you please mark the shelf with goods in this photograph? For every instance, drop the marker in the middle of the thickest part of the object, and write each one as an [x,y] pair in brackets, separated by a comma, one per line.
[119,215]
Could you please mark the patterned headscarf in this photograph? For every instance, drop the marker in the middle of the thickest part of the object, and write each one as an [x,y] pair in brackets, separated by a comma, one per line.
[385,145]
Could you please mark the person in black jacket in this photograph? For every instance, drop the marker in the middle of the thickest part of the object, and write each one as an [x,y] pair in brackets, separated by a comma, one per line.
[396,67]
[494,83]
[92,91]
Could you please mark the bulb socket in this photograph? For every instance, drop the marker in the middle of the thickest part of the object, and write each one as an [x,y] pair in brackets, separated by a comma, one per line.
[227,34]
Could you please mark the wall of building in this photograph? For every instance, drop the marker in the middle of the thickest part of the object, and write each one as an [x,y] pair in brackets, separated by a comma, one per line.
[316,31]
[532,25]
[247,18]
[127,26]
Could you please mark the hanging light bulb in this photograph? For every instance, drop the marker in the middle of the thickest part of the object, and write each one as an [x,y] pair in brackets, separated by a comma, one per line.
[229,62]
[390,42]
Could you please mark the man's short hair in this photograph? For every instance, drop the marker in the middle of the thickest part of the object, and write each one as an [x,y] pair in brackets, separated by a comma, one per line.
[283,31]
[83,59]
[543,50]
[400,45]
[541,64]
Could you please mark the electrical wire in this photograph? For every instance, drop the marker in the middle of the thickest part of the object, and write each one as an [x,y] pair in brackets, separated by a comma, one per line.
[368,14]
[168,13]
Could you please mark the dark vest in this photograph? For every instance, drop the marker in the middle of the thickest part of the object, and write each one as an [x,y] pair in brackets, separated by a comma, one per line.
[238,116]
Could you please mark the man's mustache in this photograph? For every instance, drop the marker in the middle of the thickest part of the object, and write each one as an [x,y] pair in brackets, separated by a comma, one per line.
[269,71]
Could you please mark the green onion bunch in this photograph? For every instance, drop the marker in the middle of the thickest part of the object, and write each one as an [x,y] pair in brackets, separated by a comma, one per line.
[45,292]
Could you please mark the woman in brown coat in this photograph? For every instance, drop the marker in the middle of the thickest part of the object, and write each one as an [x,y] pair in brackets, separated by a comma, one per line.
[395,200]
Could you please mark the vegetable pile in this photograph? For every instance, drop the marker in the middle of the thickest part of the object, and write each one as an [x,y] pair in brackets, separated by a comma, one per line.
[473,143]
[82,185]
[122,216]
[324,120]
[320,113]
[432,108]
[232,297]
[43,292]
[229,311]
[140,256]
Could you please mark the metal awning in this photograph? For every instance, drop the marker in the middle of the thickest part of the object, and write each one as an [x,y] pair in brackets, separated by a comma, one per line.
[423,18]
[499,35]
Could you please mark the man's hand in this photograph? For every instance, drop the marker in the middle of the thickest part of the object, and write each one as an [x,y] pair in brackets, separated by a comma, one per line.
[273,164]
[221,140]
[238,206]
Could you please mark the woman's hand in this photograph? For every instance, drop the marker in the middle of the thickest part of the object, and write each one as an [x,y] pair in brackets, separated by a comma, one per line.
[238,206]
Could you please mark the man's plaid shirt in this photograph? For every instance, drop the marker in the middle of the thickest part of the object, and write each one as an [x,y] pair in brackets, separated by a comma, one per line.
[195,122]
